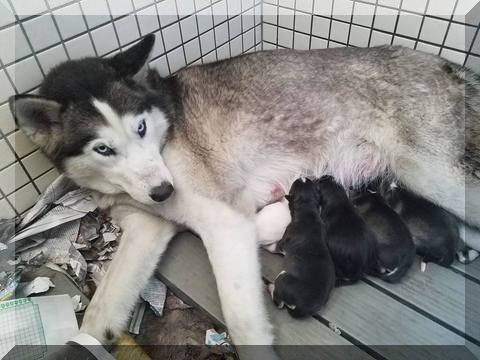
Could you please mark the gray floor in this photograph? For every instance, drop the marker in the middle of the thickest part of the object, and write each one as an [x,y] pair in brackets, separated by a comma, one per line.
[430,315]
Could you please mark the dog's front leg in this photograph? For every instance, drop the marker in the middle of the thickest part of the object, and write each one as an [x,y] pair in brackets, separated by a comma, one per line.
[143,241]
[230,240]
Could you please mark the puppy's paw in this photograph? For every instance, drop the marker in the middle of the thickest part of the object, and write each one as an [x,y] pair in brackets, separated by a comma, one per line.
[467,256]
[423,266]
[271,289]
[278,303]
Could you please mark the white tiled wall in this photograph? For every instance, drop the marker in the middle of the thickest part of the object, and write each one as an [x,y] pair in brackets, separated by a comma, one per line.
[37,34]
[448,28]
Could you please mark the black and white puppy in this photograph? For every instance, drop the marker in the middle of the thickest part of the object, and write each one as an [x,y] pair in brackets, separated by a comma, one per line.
[395,247]
[352,245]
[309,276]
[434,230]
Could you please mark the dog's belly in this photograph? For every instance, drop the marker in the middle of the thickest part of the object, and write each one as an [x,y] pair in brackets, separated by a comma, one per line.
[351,163]
[270,182]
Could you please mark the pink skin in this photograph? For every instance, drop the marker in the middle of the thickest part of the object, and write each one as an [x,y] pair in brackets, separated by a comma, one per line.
[277,193]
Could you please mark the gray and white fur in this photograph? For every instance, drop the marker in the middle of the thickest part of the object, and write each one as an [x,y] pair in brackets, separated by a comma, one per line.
[227,135]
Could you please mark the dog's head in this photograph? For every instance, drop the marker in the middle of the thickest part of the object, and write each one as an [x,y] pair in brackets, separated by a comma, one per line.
[101,126]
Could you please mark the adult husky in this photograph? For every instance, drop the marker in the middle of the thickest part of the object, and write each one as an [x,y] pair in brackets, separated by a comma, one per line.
[207,148]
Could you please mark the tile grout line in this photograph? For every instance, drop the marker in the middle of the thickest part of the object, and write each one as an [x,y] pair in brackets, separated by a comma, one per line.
[198,30]
[330,24]
[448,28]
[182,43]
[350,23]
[254,23]
[214,35]
[34,179]
[278,23]
[112,21]
[89,31]
[396,22]
[241,23]
[262,10]
[294,22]
[34,52]
[12,206]
[469,53]
[373,23]
[58,30]
[228,30]
[421,25]
[165,52]
[136,20]
[12,148]
[311,26]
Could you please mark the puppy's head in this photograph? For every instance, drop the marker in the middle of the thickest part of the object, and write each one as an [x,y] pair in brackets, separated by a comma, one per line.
[302,191]
[329,191]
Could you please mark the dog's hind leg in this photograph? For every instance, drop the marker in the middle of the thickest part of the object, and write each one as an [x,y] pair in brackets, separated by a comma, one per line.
[143,241]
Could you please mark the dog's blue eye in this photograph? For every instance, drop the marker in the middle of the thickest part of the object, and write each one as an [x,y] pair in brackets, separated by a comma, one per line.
[104,150]
[142,128]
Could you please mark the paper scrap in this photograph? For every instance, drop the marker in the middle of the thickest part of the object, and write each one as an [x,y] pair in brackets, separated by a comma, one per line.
[8,284]
[213,338]
[334,328]
[77,303]
[38,285]
[155,293]
[137,317]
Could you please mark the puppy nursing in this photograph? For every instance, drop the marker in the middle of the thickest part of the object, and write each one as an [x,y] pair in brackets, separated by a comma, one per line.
[395,247]
[333,240]
[305,285]
[435,231]
[351,243]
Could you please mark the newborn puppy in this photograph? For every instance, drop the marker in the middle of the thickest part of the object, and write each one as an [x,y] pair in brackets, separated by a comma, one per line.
[305,285]
[352,245]
[395,247]
[271,222]
[435,231]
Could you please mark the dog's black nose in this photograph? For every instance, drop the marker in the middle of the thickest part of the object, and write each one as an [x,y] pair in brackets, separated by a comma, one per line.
[162,192]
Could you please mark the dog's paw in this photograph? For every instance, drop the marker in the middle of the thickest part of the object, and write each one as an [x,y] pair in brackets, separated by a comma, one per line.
[467,256]
[98,327]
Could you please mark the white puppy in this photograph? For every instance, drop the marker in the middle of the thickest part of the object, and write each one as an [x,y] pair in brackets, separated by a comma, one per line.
[271,223]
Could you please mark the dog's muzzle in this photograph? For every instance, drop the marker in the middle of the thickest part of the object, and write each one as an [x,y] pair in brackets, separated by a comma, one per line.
[162,192]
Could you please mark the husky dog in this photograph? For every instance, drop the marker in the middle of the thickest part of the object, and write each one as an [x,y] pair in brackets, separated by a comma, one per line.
[305,285]
[395,247]
[351,243]
[215,140]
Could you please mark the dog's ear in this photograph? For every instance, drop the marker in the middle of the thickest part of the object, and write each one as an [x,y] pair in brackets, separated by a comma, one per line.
[133,62]
[39,118]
